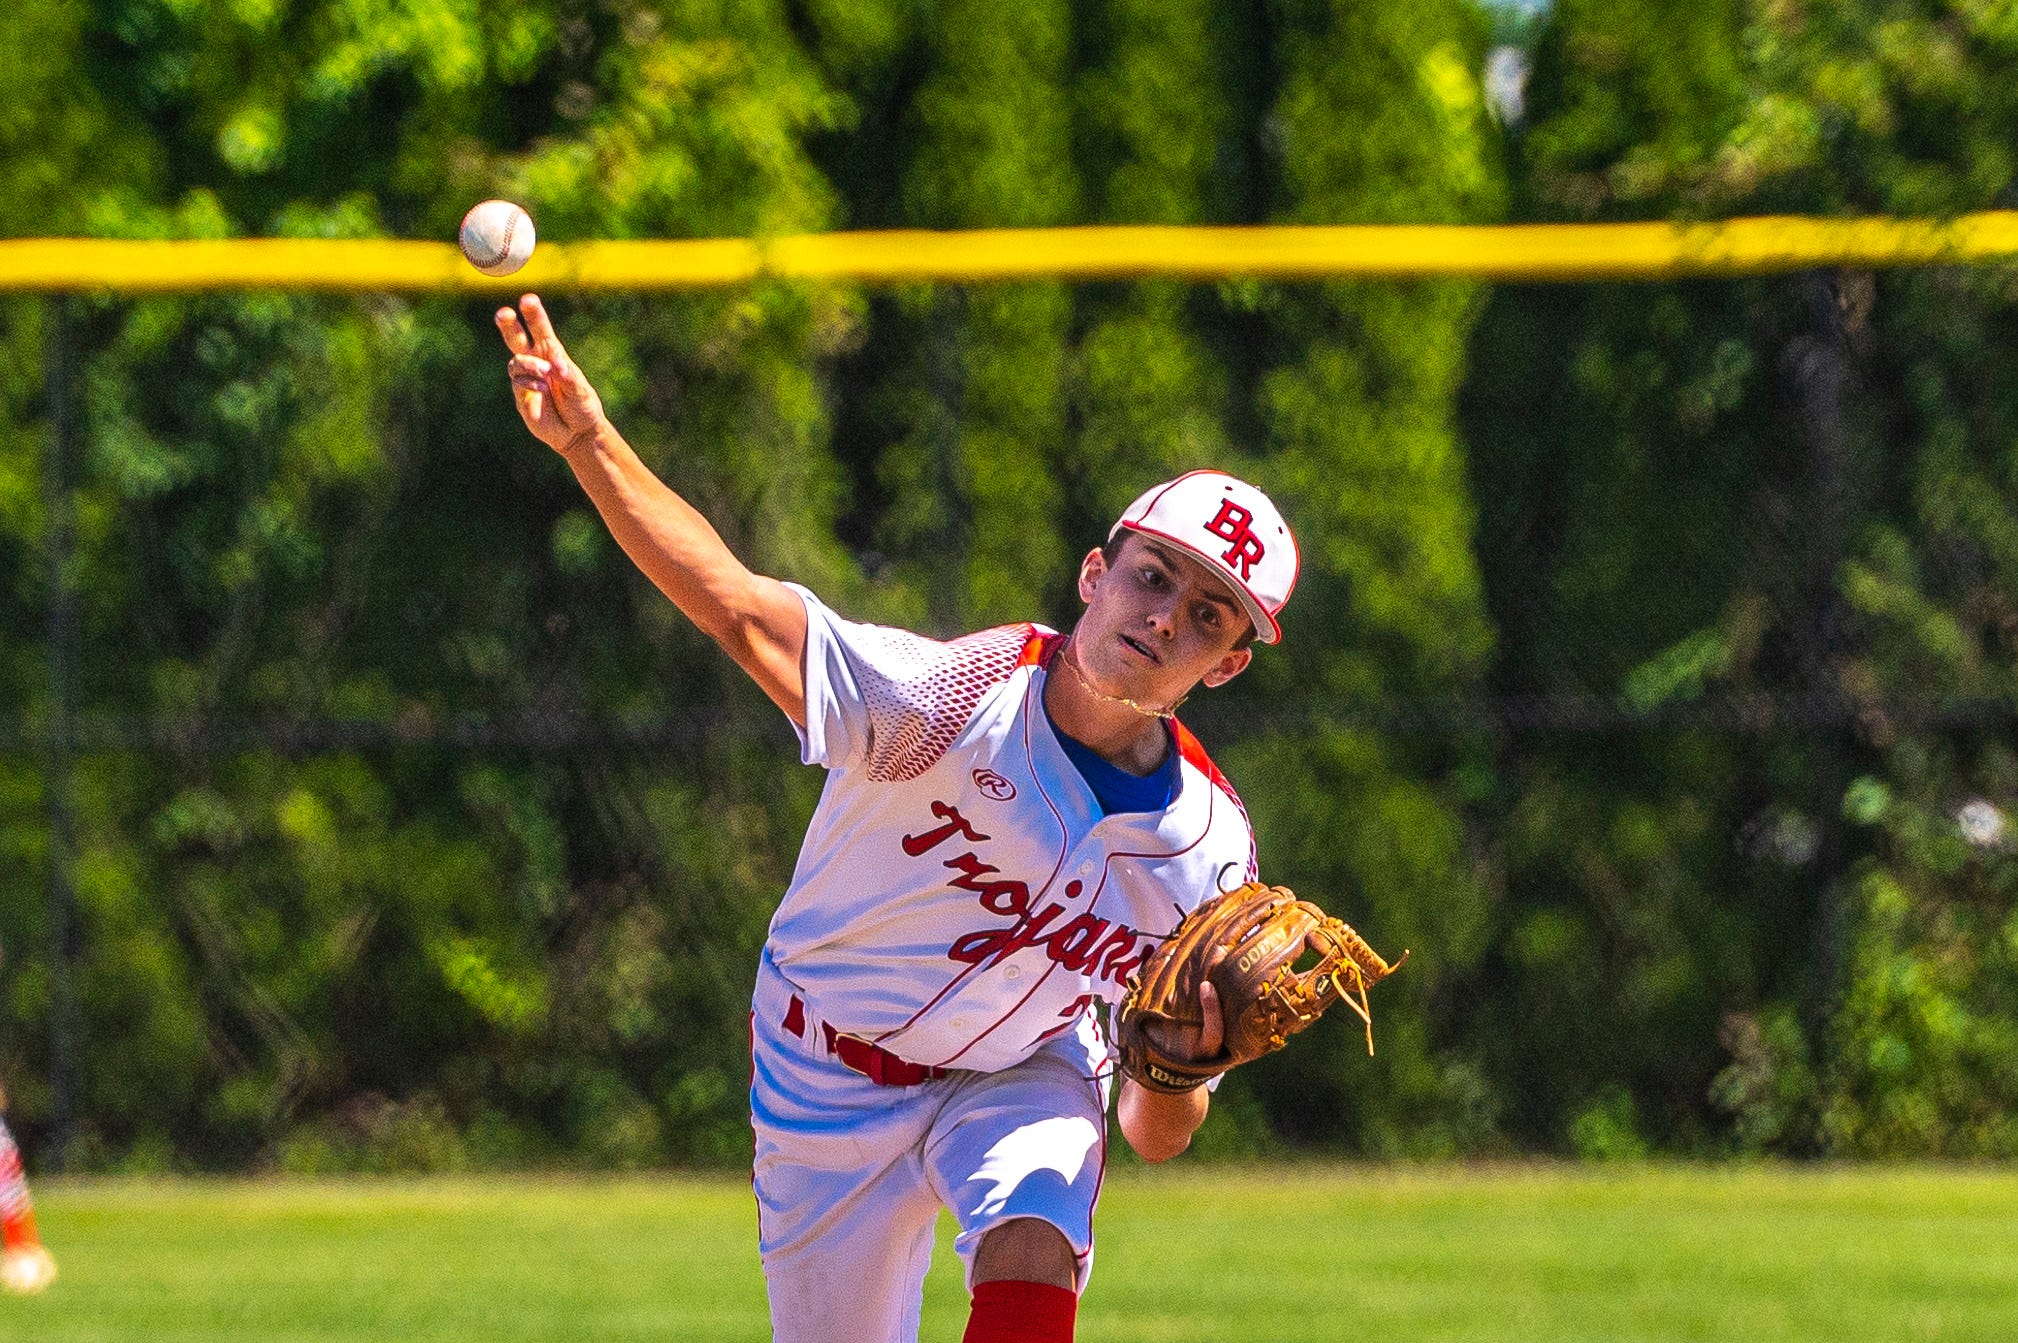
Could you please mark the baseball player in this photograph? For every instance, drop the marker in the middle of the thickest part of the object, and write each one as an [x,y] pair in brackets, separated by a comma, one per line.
[25,1265]
[1010,822]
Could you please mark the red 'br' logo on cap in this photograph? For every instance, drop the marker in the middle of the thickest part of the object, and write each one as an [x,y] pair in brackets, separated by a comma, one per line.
[1234,523]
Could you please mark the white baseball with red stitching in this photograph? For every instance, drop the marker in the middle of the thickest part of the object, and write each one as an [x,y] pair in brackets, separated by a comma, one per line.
[497,237]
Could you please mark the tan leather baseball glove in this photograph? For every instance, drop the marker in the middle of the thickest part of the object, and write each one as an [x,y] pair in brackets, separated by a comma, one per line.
[1246,942]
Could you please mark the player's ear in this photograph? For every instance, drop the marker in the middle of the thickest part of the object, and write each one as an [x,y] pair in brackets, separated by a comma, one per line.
[1229,667]
[1091,570]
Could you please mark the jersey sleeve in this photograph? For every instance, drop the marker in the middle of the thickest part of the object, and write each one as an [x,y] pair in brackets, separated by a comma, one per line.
[835,729]
[893,702]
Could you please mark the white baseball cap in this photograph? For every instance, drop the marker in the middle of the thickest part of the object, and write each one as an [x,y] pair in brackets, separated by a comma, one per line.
[1232,529]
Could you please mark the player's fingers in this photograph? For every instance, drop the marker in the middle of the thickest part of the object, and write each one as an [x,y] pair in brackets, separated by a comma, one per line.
[515,338]
[1212,1033]
[545,341]
[529,386]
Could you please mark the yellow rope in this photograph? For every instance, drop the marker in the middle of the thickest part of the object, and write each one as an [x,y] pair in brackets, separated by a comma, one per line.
[1554,252]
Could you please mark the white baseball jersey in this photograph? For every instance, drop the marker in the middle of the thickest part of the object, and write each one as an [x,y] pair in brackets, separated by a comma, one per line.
[960,899]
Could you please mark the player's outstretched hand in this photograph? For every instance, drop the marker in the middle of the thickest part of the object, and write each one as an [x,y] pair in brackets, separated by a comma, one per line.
[554,399]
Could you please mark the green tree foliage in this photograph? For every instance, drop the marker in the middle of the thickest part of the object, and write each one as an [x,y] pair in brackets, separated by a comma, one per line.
[1378,119]
[1702,880]
[338,906]
[312,510]
[1681,510]
[1160,135]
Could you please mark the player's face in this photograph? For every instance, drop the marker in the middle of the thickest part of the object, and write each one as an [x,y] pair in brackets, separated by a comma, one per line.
[1157,623]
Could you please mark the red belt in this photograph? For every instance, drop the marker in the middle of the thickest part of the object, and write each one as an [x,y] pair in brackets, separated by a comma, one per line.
[878,1065]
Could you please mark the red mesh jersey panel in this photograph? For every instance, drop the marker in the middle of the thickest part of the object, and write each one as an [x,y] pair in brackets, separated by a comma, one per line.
[921,693]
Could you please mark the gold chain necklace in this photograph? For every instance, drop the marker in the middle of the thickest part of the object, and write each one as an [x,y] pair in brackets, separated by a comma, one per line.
[1065,656]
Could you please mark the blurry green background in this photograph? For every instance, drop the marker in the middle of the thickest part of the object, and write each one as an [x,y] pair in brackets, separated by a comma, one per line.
[1650,675]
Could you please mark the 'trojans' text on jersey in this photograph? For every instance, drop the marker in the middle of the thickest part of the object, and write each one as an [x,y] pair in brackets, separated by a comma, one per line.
[1083,943]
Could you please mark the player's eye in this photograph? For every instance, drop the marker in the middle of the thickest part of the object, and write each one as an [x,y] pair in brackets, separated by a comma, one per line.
[1208,616]
[1151,577]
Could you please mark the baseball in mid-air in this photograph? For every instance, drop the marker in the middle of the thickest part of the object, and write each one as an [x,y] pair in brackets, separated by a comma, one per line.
[497,237]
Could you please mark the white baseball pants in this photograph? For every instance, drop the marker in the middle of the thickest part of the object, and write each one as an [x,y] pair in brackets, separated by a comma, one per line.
[850,1176]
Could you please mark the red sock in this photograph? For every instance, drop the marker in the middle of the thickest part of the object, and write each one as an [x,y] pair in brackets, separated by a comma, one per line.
[1021,1312]
[18,1233]
[17,1215]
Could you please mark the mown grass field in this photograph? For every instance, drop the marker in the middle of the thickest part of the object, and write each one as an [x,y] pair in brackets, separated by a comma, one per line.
[1495,1255]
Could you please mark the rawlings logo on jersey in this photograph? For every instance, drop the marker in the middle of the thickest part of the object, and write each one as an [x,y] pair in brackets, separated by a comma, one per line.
[993,786]
[1085,944]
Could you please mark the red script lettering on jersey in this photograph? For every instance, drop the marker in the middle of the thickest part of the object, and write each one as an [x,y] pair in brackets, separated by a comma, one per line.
[956,824]
[1082,944]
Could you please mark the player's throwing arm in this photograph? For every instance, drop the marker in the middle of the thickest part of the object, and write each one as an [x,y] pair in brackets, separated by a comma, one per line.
[756,620]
